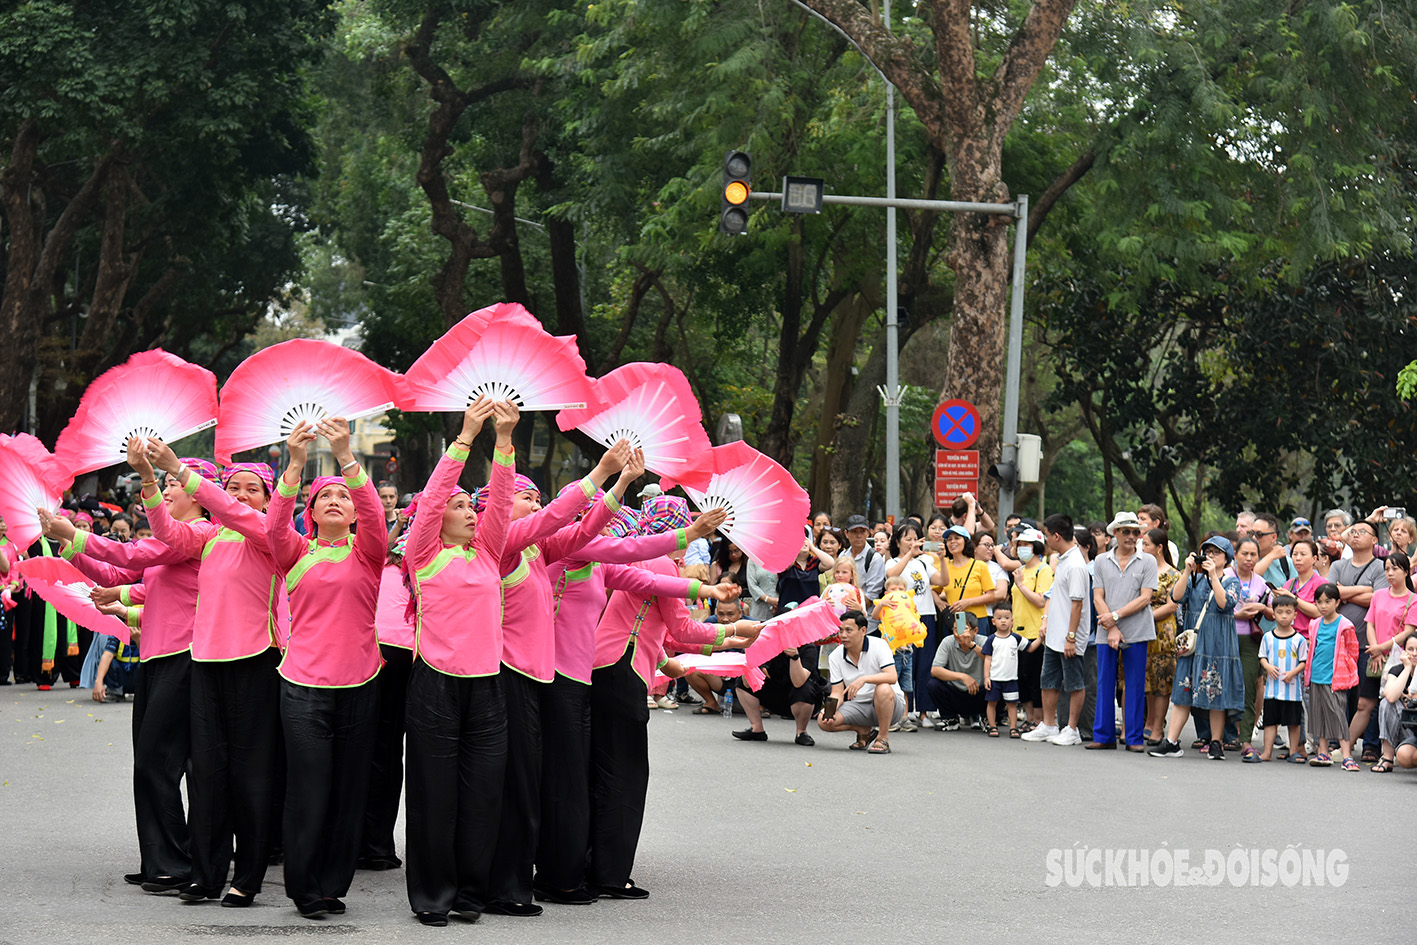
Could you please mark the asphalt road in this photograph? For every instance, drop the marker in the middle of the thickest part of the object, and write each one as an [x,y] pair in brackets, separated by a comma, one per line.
[954,835]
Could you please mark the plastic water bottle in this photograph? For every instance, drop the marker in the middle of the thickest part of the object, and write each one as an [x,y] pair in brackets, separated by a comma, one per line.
[725,702]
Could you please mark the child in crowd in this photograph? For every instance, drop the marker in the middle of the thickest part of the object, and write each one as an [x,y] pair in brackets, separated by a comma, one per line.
[117,675]
[1331,672]
[1001,653]
[1284,654]
[845,587]
[896,610]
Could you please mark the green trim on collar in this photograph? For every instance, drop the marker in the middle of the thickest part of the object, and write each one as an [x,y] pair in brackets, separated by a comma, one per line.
[316,554]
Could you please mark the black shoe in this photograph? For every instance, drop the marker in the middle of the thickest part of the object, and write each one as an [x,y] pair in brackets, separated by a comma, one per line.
[378,863]
[580,896]
[191,892]
[133,879]
[313,910]
[1167,749]
[165,884]
[334,906]
[276,858]
[436,919]
[803,739]
[1216,753]
[748,735]
[232,901]
[522,910]
[5,681]
[623,892]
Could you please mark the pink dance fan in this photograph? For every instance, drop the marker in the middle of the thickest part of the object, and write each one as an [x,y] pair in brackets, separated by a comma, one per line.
[33,479]
[725,664]
[660,416]
[64,586]
[277,387]
[767,509]
[808,622]
[153,394]
[503,353]
[611,389]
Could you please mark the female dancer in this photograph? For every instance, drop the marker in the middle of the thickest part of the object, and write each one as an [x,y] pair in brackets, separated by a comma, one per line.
[162,707]
[579,582]
[328,697]
[630,641]
[457,719]
[235,722]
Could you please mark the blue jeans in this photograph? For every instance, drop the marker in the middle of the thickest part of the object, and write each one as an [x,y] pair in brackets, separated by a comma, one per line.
[1104,723]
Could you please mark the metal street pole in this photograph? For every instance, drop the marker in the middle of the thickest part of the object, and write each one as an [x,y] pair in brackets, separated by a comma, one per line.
[1009,451]
[891,394]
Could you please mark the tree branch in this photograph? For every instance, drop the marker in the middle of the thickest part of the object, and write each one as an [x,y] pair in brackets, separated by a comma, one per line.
[1029,50]
[1039,211]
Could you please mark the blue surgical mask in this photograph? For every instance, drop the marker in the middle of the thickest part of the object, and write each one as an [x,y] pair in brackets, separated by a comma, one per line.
[1025,554]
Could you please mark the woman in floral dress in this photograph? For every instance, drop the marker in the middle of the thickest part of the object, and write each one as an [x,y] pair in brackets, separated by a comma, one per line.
[1161,652]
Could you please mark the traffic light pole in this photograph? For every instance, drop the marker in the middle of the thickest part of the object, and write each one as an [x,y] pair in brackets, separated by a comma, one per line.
[891,393]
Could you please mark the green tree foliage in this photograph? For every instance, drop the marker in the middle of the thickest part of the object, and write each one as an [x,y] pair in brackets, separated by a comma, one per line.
[150,182]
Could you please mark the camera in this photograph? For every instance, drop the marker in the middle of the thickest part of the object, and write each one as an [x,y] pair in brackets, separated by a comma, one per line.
[1394,512]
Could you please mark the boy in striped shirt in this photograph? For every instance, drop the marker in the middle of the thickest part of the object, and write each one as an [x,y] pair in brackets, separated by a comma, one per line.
[1283,653]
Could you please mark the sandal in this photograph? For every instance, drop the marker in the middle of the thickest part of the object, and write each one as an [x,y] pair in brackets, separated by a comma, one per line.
[1014,733]
[1231,746]
[1383,766]
[860,743]
[879,747]
[705,710]
[1369,756]
[1350,765]
[1297,759]
[1200,744]
[1321,760]
[992,731]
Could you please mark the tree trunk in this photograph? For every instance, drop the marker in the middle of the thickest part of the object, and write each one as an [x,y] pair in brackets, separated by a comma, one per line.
[836,389]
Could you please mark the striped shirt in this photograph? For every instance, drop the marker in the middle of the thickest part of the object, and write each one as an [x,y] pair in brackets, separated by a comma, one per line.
[1284,654]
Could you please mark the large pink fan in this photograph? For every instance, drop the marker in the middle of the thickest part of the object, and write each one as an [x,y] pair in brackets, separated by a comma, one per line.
[32,480]
[613,388]
[726,664]
[64,586]
[767,509]
[501,352]
[152,394]
[661,417]
[304,379]
[808,622]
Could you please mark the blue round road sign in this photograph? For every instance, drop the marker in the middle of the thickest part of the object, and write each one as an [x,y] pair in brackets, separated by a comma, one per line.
[956,424]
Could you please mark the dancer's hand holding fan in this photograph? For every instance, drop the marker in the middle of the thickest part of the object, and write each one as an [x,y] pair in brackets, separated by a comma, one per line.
[66,588]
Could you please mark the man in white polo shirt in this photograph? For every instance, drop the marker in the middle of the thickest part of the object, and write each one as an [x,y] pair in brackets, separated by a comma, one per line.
[865,686]
[1123,582]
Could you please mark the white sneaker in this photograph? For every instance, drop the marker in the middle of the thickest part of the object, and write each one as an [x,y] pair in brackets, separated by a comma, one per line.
[1068,736]
[1042,733]
[926,722]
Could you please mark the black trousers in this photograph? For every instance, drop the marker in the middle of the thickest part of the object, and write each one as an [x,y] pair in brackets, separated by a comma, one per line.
[565,785]
[381,810]
[235,744]
[619,771]
[955,703]
[329,739]
[457,758]
[25,661]
[162,748]
[7,643]
[521,789]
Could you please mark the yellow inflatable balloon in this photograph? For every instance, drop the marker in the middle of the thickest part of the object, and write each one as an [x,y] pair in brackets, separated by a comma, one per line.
[900,621]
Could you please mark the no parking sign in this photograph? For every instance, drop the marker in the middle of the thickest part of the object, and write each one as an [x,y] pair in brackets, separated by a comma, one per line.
[956,424]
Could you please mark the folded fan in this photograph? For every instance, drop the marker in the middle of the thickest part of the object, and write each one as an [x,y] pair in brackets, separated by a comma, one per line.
[33,479]
[725,664]
[64,586]
[660,416]
[808,622]
[502,353]
[767,509]
[303,379]
[152,394]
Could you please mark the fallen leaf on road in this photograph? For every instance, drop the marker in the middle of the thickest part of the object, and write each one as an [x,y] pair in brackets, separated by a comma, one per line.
[40,737]
[790,790]
[60,721]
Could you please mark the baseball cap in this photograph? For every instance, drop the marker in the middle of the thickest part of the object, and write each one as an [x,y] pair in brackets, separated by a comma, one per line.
[856,521]
[1301,524]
